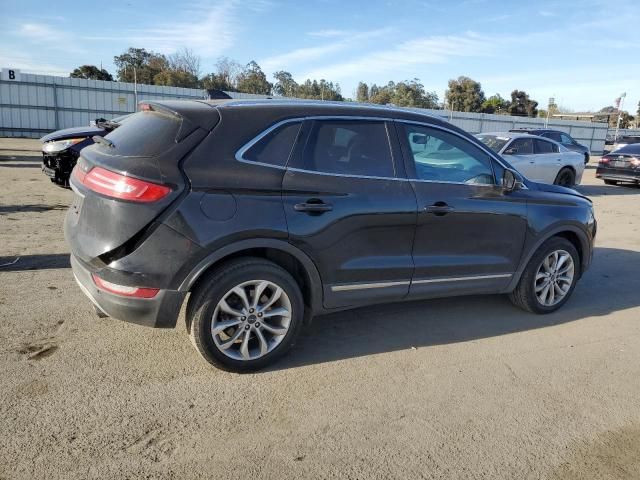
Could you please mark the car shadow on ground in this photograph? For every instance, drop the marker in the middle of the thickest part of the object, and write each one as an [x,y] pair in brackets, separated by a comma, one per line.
[612,284]
[607,190]
[18,263]
[21,165]
[35,207]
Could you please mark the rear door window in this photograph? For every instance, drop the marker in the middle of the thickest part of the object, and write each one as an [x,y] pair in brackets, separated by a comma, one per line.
[275,147]
[553,136]
[348,147]
[566,139]
[143,134]
[521,146]
[542,146]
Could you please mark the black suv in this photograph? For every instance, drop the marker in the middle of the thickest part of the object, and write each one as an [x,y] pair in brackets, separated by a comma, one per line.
[559,136]
[271,212]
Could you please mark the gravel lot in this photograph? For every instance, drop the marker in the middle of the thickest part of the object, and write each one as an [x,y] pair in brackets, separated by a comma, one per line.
[455,388]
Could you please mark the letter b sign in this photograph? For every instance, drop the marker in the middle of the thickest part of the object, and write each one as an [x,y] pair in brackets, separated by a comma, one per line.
[11,74]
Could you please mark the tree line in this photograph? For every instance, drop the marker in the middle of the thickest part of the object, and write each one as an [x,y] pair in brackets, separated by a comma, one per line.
[183,69]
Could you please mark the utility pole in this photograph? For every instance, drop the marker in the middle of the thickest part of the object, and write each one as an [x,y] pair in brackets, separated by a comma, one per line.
[624,94]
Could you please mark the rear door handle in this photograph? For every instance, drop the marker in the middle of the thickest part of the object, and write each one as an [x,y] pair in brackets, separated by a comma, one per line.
[438,208]
[313,206]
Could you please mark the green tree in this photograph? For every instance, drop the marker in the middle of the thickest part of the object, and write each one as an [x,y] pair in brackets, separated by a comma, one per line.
[362,93]
[91,72]
[408,93]
[225,77]
[522,105]
[176,78]
[253,80]
[285,85]
[464,95]
[146,65]
[495,104]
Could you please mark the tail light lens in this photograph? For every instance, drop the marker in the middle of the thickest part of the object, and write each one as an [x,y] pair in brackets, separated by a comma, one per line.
[604,160]
[124,291]
[114,185]
[635,162]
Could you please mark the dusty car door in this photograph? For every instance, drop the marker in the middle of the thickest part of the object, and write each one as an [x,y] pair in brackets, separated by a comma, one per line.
[350,208]
[469,233]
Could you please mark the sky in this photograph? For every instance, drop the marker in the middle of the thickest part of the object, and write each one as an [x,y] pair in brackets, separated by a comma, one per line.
[584,53]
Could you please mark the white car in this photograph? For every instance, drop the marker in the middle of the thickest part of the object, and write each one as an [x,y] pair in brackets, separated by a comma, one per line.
[539,159]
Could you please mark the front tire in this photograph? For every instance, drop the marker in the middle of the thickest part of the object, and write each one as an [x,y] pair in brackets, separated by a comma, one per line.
[566,178]
[549,278]
[245,315]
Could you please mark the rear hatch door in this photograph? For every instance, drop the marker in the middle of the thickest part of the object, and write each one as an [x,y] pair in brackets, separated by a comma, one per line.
[149,147]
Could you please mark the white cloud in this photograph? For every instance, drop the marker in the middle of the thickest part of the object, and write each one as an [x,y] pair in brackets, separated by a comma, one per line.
[304,55]
[329,33]
[411,53]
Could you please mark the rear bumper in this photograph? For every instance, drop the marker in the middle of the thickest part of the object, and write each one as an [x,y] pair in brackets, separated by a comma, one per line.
[618,174]
[159,312]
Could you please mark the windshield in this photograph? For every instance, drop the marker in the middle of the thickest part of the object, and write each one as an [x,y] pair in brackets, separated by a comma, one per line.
[494,142]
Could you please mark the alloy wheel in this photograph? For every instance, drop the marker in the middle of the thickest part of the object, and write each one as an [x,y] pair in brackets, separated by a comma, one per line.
[554,278]
[251,320]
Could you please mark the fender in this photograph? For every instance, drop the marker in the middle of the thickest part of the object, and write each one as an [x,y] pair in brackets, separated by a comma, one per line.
[585,261]
[303,258]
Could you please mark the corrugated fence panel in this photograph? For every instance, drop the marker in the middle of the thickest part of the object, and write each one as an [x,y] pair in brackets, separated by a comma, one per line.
[38,104]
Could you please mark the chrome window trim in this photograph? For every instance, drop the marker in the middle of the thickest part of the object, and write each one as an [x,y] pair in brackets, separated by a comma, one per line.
[346,175]
[239,156]
[481,146]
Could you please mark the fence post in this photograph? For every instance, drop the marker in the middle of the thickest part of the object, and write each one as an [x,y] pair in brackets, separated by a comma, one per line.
[55,105]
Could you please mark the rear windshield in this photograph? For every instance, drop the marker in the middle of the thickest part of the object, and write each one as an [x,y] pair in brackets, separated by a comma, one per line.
[494,142]
[143,134]
[632,149]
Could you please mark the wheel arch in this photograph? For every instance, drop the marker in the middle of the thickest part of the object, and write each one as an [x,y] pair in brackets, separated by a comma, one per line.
[285,255]
[573,234]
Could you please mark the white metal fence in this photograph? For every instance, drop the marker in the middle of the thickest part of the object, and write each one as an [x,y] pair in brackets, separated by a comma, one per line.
[33,105]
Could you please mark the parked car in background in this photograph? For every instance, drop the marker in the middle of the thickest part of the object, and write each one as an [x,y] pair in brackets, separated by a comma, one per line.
[60,149]
[537,158]
[624,140]
[269,212]
[621,166]
[559,136]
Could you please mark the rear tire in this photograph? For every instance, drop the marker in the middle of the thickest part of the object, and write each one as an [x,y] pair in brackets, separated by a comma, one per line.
[566,178]
[610,182]
[240,332]
[586,158]
[530,294]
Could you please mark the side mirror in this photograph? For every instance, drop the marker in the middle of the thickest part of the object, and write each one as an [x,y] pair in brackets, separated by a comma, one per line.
[511,181]
[510,151]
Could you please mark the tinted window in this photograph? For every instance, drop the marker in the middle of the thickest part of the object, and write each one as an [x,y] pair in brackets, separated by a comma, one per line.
[275,147]
[349,147]
[444,157]
[552,135]
[494,142]
[543,146]
[143,134]
[566,139]
[521,146]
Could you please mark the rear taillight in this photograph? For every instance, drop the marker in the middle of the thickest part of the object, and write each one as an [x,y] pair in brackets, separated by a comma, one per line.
[124,291]
[635,161]
[604,160]
[118,186]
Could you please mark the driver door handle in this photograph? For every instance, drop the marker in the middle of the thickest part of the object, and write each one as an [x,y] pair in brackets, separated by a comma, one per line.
[439,208]
[313,206]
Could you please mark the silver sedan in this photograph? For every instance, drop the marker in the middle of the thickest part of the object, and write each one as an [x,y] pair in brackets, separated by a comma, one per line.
[539,159]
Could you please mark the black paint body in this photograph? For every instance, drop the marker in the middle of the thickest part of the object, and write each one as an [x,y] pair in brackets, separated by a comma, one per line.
[377,243]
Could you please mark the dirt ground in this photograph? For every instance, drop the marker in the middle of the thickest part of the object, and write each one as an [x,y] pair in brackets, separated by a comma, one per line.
[467,388]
